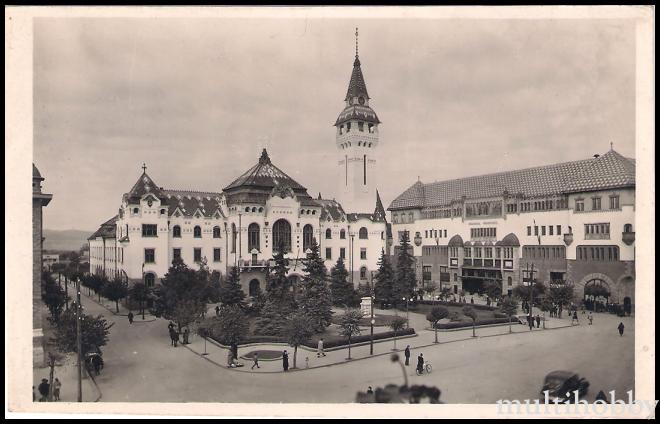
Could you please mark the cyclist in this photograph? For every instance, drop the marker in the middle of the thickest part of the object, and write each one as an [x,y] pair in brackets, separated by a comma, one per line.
[420,363]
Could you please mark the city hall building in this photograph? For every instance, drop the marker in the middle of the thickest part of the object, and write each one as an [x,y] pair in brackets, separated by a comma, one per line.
[570,221]
[245,223]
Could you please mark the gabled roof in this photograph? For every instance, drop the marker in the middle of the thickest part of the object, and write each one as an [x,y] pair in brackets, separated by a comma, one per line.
[605,172]
[264,175]
[189,202]
[331,209]
[106,230]
[142,186]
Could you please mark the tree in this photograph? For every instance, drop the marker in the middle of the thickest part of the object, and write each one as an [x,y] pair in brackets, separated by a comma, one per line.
[509,307]
[397,324]
[522,292]
[436,314]
[116,290]
[271,319]
[384,280]
[493,289]
[93,332]
[139,293]
[315,299]
[181,297]
[430,288]
[231,292]
[230,327]
[342,290]
[297,331]
[52,295]
[278,286]
[404,276]
[349,325]
[562,294]
[258,302]
[469,312]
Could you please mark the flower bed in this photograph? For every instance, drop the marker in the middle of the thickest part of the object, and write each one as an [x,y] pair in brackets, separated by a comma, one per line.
[266,355]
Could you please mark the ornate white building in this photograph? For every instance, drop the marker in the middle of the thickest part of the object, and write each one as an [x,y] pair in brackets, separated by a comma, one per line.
[244,223]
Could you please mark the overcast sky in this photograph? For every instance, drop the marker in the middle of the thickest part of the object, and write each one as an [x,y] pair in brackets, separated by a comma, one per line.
[198,99]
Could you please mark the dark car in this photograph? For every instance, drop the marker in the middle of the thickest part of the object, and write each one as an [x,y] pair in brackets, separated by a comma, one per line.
[561,386]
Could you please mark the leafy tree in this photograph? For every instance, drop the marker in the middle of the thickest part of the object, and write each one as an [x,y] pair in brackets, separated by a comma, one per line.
[397,324]
[139,293]
[297,331]
[231,292]
[58,267]
[349,325]
[384,280]
[116,290]
[230,327]
[430,288]
[493,289]
[436,314]
[315,299]
[562,294]
[93,332]
[509,307]
[181,297]
[523,292]
[52,295]
[342,290]
[469,312]
[404,276]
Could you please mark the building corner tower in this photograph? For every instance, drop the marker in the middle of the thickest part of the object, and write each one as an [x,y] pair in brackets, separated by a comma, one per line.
[357,143]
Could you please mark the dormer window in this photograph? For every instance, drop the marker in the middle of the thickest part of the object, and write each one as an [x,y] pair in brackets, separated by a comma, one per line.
[136,210]
[341,129]
[348,127]
[361,126]
[162,211]
[371,128]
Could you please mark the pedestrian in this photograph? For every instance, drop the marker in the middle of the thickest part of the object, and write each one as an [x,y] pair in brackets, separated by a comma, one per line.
[230,358]
[44,388]
[130,317]
[590,317]
[420,363]
[170,326]
[34,395]
[186,334]
[306,361]
[172,336]
[285,361]
[407,354]
[57,385]
[575,318]
[601,396]
[472,299]
[538,321]
[319,349]
[175,333]
[217,310]
[256,361]
[370,391]
[620,327]
[97,364]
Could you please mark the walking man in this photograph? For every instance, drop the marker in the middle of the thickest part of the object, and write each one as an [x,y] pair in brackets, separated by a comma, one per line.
[217,311]
[130,317]
[420,363]
[530,322]
[407,354]
[620,327]
[575,318]
[44,388]
[285,361]
[186,333]
[590,317]
[256,361]
[538,321]
[319,349]
[57,385]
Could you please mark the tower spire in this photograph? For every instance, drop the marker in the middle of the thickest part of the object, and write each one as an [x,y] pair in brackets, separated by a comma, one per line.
[144,168]
[356,42]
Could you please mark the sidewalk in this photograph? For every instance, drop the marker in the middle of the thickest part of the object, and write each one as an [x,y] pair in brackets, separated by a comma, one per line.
[424,339]
[68,376]
[110,306]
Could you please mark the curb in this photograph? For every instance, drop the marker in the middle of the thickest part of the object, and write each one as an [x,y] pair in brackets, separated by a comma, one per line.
[113,312]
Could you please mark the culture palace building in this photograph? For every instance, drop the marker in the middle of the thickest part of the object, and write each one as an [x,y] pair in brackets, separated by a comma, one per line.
[570,221]
[245,223]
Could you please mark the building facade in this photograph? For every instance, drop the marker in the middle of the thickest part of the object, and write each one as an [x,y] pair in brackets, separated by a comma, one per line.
[39,201]
[571,222]
[248,220]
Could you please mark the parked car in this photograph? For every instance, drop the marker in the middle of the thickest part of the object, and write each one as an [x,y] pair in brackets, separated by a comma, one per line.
[561,385]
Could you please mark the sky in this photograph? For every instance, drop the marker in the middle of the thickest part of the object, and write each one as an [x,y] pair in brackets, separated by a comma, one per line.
[198,99]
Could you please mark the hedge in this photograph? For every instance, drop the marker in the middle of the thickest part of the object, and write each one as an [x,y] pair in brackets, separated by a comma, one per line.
[451,325]
[365,338]
[459,304]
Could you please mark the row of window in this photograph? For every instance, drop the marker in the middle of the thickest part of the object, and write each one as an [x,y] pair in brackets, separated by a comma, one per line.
[442,213]
[150,254]
[370,127]
[487,252]
[434,233]
[483,233]
[598,253]
[540,205]
[544,252]
[597,230]
[596,203]
[550,230]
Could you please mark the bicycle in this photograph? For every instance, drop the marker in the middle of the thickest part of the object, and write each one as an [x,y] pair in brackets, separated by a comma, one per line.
[427,367]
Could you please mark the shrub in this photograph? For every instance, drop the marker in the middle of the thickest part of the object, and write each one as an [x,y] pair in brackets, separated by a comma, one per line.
[366,338]
[454,316]
[451,325]
[499,315]
[440,302]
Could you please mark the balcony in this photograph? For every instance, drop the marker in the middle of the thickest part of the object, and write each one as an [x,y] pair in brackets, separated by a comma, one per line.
[628,237]
[597,236]
[245,263]
[568,239]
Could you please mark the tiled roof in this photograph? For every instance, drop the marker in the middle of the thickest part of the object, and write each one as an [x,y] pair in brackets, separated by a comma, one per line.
[352,217]
[189,202]
[379,212]
[264,175]
[331,209]
[509,240]
[142,186]
[605,172]
[455,241]
[356,86]
[106,230]
[363,113]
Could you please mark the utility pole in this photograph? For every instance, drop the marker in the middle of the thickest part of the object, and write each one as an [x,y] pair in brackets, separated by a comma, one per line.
[78,339]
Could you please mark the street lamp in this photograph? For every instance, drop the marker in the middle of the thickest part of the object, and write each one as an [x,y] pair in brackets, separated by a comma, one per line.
[407,314]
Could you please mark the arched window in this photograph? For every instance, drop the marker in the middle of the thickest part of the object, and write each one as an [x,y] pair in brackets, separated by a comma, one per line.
[254,288]
[308,236]
[253,237]
[363,273]
[233,238]
[149,279]
[216,232]
[363,233]
[328,234]
[627,228]
[176,231]
[342,234]
[282,235]
[197,231]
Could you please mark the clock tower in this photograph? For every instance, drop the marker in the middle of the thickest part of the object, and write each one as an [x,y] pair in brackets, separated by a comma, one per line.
[357,143]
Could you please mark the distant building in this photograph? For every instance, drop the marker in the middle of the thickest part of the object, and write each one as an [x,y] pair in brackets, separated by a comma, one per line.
[49,260]
[39,200]
[571,221]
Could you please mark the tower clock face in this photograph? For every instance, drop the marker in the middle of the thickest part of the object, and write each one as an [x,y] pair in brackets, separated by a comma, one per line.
[361,100]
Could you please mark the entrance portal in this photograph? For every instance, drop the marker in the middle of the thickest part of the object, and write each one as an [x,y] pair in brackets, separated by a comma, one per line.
[596,295]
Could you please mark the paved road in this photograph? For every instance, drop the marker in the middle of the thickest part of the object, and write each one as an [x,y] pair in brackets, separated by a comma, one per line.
[141,366]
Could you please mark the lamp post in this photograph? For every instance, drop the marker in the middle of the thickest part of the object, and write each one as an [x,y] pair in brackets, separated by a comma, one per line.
[79,339]
[407,314]
[145,286]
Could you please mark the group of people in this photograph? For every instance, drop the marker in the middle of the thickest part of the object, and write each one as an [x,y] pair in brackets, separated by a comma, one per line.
[174,335]
[420,359]
[44,390]
[534,319]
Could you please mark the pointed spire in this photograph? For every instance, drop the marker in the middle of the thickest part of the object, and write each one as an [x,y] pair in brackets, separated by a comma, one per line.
[356,86]
[320,198]
[379,212]
[264,159]
[611,146]
[356,42]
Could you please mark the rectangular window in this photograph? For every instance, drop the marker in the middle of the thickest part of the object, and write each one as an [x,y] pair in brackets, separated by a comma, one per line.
[543,230]
[149,230]
[579,206]
[342,252]
[614,202]
[477,252]
[197,255]
[328,253]
[176,253]
[536,230]
[363,253]
[361,126]
[498,253]
[445,233]
[558,229]
[149,256]
[488,251]
[595,203]
[529,230]
[216,254]
[550,228]
[426,233]
[468,252]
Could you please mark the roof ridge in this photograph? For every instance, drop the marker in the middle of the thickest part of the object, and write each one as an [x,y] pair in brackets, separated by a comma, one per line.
[192,191]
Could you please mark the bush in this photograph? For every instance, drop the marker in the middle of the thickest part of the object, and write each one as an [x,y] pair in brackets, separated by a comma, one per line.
[500,315]
[451,325]
[454,316]
[365,338]
[440,302]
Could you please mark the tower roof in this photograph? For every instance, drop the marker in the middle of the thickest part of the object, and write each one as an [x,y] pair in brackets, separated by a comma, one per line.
[144,185]
[264,175]
[356,86]
[379,212]
[35,173]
